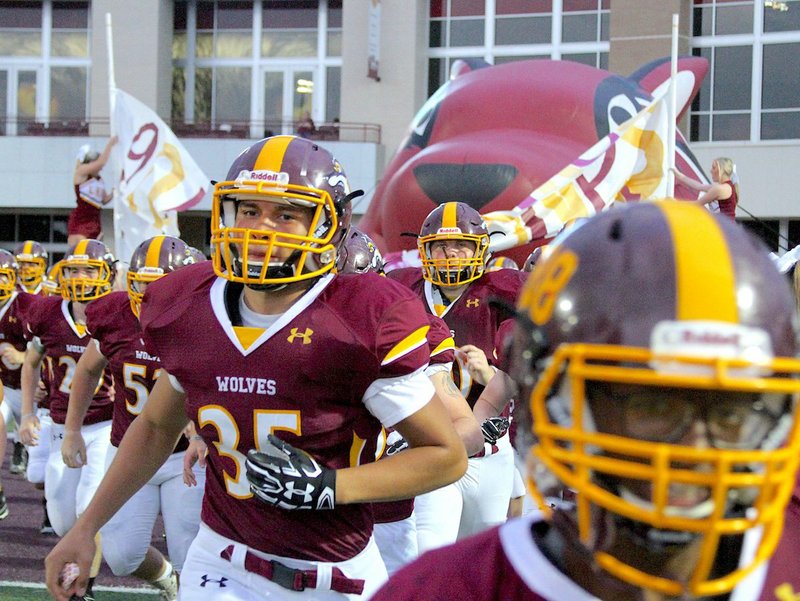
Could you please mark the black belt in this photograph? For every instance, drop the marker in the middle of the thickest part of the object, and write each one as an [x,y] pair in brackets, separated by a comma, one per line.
[294,579]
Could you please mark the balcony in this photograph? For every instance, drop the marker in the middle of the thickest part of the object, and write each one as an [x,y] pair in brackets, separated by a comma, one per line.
[333,131]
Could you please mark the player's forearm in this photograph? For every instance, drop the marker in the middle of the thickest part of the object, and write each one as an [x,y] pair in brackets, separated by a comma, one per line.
[29,379]
[469,431]
[410,473]
[80,398]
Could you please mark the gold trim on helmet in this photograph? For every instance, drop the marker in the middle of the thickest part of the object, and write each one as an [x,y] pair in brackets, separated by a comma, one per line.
[317,255]
[579,456]
[455,271]
[83,289]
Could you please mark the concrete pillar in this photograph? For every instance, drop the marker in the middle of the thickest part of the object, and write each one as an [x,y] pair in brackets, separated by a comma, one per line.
[142,33]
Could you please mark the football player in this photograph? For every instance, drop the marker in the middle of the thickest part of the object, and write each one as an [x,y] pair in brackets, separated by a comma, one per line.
[497,263]
[454,285]
[57,329]
[289,372]
[31,258]
[14,304]
[113,324]
[395,521]
[654,356]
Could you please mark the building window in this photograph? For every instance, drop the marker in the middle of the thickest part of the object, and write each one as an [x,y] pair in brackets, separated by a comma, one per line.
[502,31]
[240,62]
[44,49]
[752,91]
[50,230]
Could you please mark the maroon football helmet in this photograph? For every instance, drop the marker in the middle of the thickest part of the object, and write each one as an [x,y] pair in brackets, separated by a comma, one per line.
[655,354]
[153,259]
[79,285]
[281,169]
[32,260]
[359,254]
[453,221]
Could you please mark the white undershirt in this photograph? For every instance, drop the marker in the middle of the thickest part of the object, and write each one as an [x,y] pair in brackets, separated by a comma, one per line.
[251,319]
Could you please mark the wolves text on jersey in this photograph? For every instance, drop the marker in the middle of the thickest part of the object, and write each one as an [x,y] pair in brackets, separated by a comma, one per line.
[246,385]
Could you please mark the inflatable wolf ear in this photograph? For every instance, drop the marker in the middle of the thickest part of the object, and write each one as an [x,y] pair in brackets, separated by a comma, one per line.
[493,134]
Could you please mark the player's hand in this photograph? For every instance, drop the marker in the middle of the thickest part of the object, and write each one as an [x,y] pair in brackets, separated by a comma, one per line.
[476,363]
[286,477]
[29,430]
[494,428]
[41,393]
[11,356]
[195,453]
[76,547]
[73,449]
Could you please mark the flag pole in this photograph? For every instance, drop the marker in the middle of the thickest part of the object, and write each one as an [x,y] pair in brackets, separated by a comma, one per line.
[115,163]
[673,107]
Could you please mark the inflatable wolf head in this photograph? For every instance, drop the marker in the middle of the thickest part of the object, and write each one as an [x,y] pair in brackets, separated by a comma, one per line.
[493,134]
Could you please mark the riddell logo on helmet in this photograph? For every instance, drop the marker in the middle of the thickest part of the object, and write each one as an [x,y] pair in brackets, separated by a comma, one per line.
[449,230]
[281,178]
[704,339]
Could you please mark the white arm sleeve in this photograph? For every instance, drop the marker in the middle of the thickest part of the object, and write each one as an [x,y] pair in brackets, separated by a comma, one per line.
[392,400]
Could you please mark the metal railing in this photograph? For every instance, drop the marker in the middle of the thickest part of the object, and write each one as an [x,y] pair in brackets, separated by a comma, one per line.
[329,131]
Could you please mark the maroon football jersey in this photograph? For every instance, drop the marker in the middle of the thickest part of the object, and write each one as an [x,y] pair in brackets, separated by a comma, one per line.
[304,379]
[471,317]
[51,321]
[500,564]
[12,331]
[112,323]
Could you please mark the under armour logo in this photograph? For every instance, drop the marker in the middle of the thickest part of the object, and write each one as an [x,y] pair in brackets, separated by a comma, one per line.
[305,493]
[204,580]
[473,302]
[305,336]
[12,319]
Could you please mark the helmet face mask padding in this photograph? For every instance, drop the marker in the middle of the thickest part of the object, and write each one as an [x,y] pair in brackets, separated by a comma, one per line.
[655,357]
[282,170]
[453,221]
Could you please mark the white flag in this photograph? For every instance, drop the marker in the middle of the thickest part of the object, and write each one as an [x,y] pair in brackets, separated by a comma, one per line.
[158,176]
[630,163]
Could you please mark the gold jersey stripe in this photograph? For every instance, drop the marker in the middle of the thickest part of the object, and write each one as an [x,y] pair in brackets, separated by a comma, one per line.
[704,289]
[411,342]
[271,156]
[246,335]
[446,345]
[153,251]
[449,215]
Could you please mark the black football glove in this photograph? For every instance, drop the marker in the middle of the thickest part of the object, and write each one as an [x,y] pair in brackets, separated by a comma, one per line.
[395,444]
[494,428]
[289,478]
